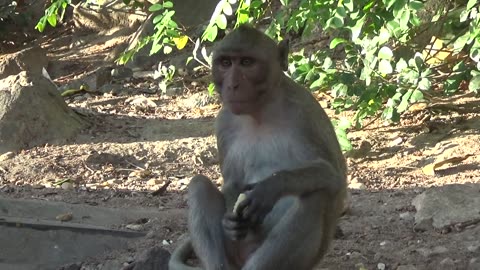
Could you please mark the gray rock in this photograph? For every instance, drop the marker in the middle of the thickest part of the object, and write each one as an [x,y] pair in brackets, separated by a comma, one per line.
[31,59]
[447,205]
[155,258]
[32,113]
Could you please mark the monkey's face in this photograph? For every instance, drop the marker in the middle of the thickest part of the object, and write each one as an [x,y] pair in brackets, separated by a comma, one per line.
[243,81]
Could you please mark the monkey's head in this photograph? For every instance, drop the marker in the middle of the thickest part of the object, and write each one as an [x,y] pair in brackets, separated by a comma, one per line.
[246,68]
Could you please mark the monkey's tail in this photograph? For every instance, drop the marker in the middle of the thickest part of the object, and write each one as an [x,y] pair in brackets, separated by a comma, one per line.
[180,256]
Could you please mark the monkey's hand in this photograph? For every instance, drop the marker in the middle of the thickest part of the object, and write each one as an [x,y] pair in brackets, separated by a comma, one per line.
[260,199]
[234,226]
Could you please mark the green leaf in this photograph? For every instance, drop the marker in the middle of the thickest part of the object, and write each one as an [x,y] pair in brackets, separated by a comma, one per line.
[335,22]
[401,65]
[52,20]
[385,67]
[210,34]
[317,83]
[157,18]
[389,3]
[221,21]
[227,9]
[404,103]
[341,11]
[417,95]
[348,4]
[334,43]
[211,88]
[385,53]
[474,84]
[357,28]
[418,60]
[424,84]
[471,4]
[168,4]
[155,7]
[339,90]
[415,5]
[327,63]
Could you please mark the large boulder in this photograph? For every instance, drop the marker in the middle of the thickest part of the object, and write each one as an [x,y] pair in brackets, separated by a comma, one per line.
[32,112]
[31,59]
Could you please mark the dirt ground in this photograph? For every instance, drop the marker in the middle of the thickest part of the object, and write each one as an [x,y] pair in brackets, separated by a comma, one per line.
[130,151]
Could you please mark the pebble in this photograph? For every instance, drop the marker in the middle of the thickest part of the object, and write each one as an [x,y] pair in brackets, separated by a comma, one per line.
[7,156]
[67,186]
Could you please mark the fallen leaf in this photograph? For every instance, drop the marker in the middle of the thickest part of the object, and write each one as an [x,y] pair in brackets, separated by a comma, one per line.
[430,168]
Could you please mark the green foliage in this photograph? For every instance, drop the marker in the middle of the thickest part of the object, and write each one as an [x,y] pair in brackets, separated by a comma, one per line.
[167,74]
[51,14]
[376,75]
[167,33]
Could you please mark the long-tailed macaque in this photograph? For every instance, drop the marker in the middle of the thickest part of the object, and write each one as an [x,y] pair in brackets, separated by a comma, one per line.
[277,147]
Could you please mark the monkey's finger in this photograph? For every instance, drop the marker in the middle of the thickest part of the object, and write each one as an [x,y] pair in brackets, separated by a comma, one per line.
[242,206]
[250,210]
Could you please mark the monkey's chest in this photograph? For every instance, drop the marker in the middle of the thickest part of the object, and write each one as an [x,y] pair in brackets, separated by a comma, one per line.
[256,158]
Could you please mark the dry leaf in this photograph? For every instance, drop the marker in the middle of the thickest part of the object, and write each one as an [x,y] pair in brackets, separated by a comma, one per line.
[430,168]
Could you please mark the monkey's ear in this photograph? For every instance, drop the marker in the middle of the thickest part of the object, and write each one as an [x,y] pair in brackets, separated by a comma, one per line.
[283,48]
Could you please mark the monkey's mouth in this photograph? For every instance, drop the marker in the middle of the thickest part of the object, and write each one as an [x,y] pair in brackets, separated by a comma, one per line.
[252,100]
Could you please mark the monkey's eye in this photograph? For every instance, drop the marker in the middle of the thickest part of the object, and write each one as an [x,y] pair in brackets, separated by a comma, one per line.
[247,61]
[225,62]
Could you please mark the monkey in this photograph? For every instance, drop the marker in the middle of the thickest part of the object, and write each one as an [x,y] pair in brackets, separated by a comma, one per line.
[277,147]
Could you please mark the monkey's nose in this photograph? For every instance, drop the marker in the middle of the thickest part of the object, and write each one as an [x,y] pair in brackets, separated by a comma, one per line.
[234,86]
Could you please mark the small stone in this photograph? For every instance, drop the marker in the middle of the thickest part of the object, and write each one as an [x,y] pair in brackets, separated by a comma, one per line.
[447,263]
[7,156]
[67,186]
[473,247]
[355,184]
[354,255]
[474,264]
[130,259]
[134,227]
[381,266]
[165,242]
[154,182]
[64,217]
[396,141]
[407,216]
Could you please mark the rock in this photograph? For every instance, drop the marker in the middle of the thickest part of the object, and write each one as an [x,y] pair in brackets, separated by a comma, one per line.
[31,59]
[474,264]
[155,258]
[7,156]
[33,110]
[121,73]
[447,205]
[90,18]
[200,99]
[447,263]
[67,186]
[355,184]
[474,247]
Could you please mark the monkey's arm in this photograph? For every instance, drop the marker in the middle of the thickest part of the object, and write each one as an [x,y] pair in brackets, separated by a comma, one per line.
[318,176]
[262,196]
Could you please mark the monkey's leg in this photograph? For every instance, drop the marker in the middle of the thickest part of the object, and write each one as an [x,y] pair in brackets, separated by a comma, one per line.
[206,210]
[299,231]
